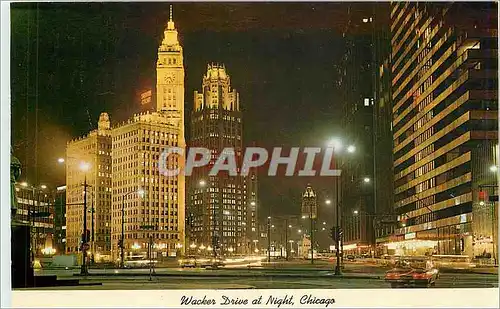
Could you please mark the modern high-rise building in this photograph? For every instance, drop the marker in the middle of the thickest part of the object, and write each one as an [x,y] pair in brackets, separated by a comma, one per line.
[445,127]
[148,207]
[88,159]
[222,215]
[384,218]
[356,85]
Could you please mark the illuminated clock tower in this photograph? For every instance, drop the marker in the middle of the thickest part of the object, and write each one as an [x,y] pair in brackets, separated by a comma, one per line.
[170,77]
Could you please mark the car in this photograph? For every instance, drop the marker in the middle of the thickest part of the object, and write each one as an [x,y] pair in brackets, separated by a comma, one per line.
[211,262]
[350,257]
[412,272]
[189,261]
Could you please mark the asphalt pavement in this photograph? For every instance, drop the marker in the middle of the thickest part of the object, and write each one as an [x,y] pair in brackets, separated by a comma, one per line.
[179,278]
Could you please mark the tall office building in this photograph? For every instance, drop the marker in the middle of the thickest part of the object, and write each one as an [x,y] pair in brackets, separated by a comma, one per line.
[219,207]
[356,85]
[149,206]
[385,218]
[445,126]
[89,158]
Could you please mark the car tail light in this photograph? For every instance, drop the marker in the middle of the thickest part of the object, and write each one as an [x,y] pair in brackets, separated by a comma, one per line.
[420,276]
[392,276]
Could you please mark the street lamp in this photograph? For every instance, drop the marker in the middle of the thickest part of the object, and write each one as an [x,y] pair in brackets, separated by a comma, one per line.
[355,212]
[122,240]
[252,203]
[336,144]
[328,202]
[60,160]
[84,166]
[366,180]
[493,168]
[269,239]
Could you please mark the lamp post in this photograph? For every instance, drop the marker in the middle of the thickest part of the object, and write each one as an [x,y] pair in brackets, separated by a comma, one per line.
[269,239]
[122,239]
[286,238]
[336,146]
[84,270]
[84,166]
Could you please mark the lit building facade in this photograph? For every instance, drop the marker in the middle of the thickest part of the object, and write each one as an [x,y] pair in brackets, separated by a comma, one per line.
[36,208]
[153,203]
[89,158]
[221,213]
[445,126]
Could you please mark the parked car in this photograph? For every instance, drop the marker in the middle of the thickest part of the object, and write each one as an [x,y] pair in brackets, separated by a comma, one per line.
[412,272]
[350,257]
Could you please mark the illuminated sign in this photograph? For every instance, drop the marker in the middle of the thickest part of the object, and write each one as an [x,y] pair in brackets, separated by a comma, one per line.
[410,235]
[349,247]
[146,97]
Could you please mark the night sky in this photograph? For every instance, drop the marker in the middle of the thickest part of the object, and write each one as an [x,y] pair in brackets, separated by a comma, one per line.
[84,59]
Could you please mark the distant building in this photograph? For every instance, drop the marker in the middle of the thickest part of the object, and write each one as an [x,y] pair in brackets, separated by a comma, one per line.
[35,207]
[60,219]
[89,158]
[310,221]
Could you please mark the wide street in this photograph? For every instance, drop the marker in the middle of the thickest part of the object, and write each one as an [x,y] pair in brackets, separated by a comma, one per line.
[263,278]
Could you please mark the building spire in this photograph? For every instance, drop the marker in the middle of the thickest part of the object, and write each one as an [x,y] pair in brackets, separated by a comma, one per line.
[170,24]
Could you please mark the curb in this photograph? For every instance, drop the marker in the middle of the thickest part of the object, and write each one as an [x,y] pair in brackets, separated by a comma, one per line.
[221,275]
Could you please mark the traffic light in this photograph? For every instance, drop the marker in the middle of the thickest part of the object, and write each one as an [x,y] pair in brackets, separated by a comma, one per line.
[333,234]
[483,197]
[341,231]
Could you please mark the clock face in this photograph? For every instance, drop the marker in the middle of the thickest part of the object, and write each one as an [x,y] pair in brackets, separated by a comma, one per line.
[169,79]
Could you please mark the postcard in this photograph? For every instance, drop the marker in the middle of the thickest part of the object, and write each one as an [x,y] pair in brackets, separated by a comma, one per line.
[250,154]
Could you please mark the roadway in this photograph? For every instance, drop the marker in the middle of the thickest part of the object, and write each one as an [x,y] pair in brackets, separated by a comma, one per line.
[263,278]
